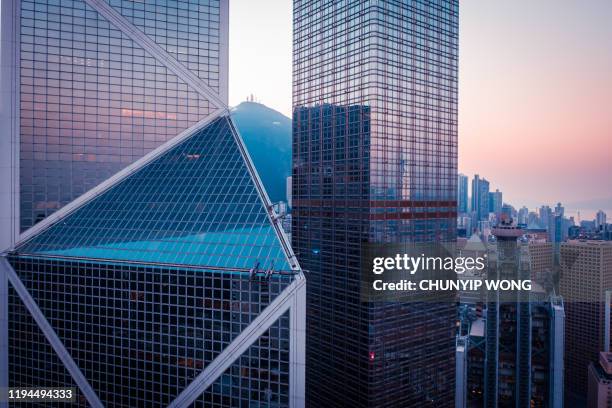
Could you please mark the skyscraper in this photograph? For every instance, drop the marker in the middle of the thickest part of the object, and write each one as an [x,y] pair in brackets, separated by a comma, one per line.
[523,345]
[586,274]
[523,214]
[90,86]
[168,285]
[462,193]
[600,220]
[558,227]
[600,382]
[374,162]
[541,260]
[495,203]
[545,213]
[480,198]
[559,210]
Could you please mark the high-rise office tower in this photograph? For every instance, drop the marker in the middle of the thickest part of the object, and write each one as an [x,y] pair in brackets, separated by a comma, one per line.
[557,232]
[374,161]
[495,203]
[600,382]
[170,281]
[541,260]
[559,210]
[462,193]
[533,221]
[600,220]
[543,359]
[545,213]
[480,198]
[523,214]
[171,284]
[586,274]
[90,86]
[507,211]
[523,339]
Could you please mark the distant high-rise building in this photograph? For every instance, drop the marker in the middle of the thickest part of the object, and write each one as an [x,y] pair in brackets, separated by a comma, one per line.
[480,197]
[586,274]
[541,260]
[374,163]
[88,87]
[495,202]
[558,230]
[523,214]
[533,220]
[600,382]
[607,233]
[559,210]
[523,347]
[473,248]
[462,193]
[464,225]
[507,213]
[545,214]
[600,220]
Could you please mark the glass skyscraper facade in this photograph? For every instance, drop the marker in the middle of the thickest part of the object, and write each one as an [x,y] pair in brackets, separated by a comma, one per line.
[374,162]
[94,99]
[524,336]
[462,193]
[480,198]
[172,285]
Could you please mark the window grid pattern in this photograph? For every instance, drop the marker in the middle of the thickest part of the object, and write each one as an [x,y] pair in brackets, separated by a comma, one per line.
[140,334]
[260,377]
[187,30]
[194,205]
[28,345]
[374,162]
[92,101]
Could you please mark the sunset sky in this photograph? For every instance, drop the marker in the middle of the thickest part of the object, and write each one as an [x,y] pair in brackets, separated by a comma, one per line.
[535,91]
[535,99]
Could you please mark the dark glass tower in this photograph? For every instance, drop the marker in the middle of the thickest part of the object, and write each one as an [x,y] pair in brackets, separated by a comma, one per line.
[374,162]
[523,336]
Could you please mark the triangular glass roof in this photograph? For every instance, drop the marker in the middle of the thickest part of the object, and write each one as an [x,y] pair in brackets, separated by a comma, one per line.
[196,204]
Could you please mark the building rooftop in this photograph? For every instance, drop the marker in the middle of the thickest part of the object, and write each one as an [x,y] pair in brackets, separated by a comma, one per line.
[193,204]
[588,242]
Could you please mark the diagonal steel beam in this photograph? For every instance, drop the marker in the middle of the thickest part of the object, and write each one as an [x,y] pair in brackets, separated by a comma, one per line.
[239,345]
[161,55]
[297,349]
[263,195]
[50,334]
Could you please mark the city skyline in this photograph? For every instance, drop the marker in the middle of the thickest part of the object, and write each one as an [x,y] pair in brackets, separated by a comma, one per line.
[532,65]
